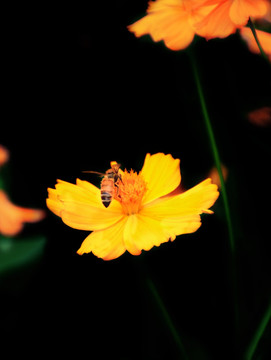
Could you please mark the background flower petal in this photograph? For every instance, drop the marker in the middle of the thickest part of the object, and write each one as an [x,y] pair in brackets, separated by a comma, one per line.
[261,116]
[179,36]
[217,23]
[4,155]
[162,175]
[264,38]
[106,244]
[13,217]
[166,20]
[10,226]
[241,10]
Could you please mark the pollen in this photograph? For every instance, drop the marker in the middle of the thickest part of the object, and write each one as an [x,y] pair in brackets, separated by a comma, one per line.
[130,190]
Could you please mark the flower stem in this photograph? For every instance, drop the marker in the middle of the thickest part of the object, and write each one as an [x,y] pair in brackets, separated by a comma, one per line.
[253,30]
[167,318]
[215,153]
[232,260]
[258,334]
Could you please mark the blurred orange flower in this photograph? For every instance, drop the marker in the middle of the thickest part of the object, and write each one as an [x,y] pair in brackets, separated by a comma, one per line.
[260,117]
[264,39]
[4,155]
[177,21]
[214,175]
[12,217]
[143,213]
[267,17]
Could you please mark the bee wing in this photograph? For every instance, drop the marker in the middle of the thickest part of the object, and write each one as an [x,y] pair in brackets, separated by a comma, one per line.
[94,172]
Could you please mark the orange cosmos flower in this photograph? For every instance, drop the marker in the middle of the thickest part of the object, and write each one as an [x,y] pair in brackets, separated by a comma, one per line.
[264,39]
[142,214]
[177,21]
[12,217]
[171,21]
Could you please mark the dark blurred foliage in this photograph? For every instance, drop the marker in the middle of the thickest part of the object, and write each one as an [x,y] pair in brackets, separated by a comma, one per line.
[78,90]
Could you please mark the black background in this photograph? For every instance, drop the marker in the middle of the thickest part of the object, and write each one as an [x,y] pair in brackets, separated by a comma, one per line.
[78,91]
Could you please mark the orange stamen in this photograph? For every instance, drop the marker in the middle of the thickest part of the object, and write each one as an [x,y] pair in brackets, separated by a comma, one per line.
[130,190]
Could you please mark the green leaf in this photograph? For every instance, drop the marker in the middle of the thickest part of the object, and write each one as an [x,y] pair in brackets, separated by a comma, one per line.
[20,251]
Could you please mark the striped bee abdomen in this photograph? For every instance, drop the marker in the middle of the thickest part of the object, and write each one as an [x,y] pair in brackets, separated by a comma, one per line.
[106,198]
[107,191]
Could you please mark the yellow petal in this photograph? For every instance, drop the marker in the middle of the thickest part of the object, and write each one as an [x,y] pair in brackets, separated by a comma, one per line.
[128,235]
[93,193]
[82,191]
[162,175]
[83,216]
[53,202]
[177,225]
[180,214]
[142,233]
[80,206]
[106,244]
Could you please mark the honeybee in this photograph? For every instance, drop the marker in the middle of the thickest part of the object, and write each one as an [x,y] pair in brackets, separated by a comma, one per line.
[109,182]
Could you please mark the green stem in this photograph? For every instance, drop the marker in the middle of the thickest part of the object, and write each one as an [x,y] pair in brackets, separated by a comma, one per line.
[167,318]
[232,261]
[258,334]
[253,30]
[215,154]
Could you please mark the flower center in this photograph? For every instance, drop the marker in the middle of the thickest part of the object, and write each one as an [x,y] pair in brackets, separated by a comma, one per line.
[129,191]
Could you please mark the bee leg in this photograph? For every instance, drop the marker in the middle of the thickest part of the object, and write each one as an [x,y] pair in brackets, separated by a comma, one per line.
[120,178]
[116,191]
